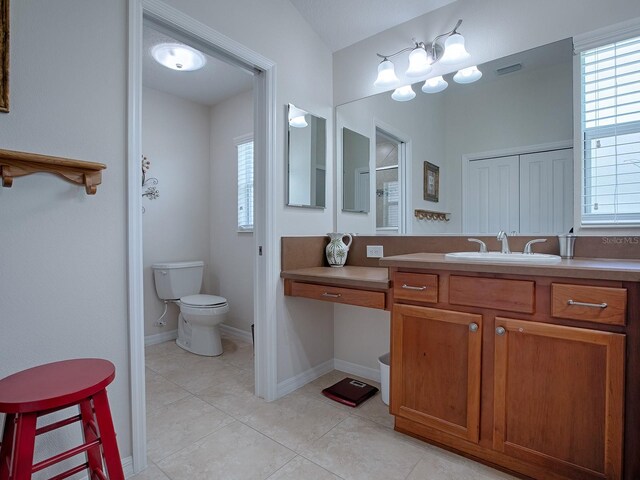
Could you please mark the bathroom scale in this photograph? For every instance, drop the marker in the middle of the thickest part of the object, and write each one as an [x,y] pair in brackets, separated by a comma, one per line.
[350,392]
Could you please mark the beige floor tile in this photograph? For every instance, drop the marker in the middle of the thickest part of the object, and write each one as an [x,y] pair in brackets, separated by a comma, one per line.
[193,372]
[161,349]
[150,473]
[179,424]
[237,354]
[235,452]
[302,469]
[235,397]
[295,420]
[161,392]
[438,464]
[359,449]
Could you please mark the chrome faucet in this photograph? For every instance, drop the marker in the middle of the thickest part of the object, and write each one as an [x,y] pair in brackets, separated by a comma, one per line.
[527,247]
[483,246]
[503,237]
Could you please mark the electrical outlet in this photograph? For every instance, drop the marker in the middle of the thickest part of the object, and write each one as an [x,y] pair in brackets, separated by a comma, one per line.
[374,251]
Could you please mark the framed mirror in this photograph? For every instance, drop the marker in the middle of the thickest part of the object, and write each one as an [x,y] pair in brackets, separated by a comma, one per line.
[306,159]
[356,182]
[502,147]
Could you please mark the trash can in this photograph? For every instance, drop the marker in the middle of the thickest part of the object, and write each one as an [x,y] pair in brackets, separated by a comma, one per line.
[384,362]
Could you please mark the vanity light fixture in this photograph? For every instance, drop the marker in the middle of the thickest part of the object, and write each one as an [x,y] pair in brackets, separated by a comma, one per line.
[178,57]
[297,117]
[421,59]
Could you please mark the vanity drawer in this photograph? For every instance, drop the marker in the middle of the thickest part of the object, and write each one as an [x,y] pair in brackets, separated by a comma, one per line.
[590,304]
[350,296]
[511,295]
[419,287]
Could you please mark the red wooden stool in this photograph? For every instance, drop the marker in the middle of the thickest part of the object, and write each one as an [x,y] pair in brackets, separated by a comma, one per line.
[27,395]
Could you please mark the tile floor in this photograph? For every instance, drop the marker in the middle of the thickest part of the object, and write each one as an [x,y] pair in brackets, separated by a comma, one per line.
[204,423]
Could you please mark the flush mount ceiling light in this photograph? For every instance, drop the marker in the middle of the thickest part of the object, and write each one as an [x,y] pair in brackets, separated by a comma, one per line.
[178,57]
[421,59]
[297,117]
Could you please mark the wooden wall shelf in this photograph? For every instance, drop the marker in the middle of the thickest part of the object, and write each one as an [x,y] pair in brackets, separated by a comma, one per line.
[17,164]
[431,215]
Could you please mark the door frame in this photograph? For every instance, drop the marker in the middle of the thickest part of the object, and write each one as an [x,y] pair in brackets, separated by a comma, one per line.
[265,267]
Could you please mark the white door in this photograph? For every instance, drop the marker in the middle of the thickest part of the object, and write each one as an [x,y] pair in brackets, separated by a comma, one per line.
[492,199]
[546,192]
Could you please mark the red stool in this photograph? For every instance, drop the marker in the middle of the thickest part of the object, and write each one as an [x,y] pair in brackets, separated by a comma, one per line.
[27,395]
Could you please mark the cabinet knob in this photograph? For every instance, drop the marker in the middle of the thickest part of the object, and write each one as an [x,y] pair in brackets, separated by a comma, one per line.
[473,327]
[500,331]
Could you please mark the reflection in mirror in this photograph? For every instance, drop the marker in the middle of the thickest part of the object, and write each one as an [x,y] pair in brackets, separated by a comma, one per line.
[307,158]
[355,167]
[502,145]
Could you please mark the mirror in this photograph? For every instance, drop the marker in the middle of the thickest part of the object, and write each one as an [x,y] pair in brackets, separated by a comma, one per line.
[488,141]
[306,159]
[355,172]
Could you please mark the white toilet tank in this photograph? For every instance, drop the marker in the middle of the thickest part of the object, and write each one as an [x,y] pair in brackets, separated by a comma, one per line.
[177,279]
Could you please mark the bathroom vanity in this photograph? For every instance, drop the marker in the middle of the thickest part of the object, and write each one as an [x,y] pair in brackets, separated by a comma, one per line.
[530,367]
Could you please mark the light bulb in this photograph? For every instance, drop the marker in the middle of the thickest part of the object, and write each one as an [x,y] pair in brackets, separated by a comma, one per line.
[403,94]
[434,85]
[468,75]
[386,75]
[418,63]
[454,51]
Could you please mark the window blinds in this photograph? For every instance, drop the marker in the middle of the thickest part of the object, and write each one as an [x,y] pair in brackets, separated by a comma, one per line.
[245,186]
[610,99]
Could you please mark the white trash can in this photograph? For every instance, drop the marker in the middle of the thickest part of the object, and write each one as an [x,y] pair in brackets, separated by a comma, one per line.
[384,362]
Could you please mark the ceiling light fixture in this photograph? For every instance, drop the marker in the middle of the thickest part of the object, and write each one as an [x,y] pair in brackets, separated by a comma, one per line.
[421,59]
[178,57]
[297,117]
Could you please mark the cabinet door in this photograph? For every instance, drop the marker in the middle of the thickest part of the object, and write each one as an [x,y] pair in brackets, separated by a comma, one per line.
[559,396]
[435,368]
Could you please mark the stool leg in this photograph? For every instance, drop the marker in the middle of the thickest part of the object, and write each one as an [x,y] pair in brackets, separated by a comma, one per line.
[108,436]
[90,431]
[6,448]
[23,450]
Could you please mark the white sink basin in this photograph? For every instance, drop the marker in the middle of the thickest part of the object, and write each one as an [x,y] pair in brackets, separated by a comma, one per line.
[497,257]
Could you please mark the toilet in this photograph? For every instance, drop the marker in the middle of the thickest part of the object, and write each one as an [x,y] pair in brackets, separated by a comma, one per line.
[200,315]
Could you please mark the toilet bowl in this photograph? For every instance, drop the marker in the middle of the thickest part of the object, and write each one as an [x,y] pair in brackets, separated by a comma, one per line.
[200,315]
[198,322]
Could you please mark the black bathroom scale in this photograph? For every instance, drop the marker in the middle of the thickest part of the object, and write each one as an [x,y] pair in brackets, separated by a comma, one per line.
[350,392]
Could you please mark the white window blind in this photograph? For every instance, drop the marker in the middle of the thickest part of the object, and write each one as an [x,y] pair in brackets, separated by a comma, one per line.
[245,185]
[610,100]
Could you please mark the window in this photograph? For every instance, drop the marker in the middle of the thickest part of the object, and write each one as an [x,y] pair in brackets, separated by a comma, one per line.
[244,146]
[610,103]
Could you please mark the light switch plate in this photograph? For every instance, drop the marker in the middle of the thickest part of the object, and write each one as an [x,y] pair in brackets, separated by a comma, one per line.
[374,251]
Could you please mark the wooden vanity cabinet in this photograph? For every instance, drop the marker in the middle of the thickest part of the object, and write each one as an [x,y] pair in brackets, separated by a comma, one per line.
[514,387]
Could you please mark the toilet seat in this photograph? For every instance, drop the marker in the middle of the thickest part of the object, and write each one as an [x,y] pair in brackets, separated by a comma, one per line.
[203,301]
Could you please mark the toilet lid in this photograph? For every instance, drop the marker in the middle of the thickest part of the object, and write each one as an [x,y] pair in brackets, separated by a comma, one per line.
[203,300]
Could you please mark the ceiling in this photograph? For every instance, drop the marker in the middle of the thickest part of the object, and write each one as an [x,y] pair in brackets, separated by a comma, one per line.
[215,82]
[341,23]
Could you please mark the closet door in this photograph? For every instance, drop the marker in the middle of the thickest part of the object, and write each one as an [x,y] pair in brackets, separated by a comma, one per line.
[546,192]
[492,199]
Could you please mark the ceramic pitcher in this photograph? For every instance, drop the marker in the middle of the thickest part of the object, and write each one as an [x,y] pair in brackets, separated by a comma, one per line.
[337,250]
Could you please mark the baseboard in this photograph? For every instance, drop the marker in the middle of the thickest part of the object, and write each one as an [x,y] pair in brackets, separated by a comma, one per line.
[127,466]
[160,337]
[236,332]
[297,381]
[355,369]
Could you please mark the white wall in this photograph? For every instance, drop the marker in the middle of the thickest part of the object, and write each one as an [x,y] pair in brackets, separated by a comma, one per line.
[63,264]
[63,277]
[231,252]
[176,140]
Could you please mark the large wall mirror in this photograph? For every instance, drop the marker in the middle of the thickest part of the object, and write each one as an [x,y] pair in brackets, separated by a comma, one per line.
[503,147]
[306,159]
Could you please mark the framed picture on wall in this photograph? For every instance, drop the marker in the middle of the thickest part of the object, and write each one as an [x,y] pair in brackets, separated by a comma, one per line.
[4,55]
[431,182]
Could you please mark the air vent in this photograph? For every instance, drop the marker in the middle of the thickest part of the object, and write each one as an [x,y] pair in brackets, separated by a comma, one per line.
[510,69]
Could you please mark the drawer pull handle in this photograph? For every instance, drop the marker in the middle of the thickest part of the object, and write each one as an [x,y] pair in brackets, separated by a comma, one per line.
[500,331]
[331,295]
[409,287]
[583,304]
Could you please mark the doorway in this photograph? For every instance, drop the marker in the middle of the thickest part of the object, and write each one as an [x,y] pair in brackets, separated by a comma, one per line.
[194,33]
[390,189]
